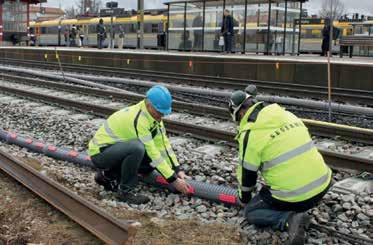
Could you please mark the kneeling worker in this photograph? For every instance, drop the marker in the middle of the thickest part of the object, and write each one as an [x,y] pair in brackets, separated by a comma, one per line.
[277,143]
[133,140]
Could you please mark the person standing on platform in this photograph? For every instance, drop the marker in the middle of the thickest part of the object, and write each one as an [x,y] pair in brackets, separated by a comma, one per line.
[276,143]
[227,30]
[133,141]
[80,36]
[121,36]
[101,33]
[73,35]
[66,37]
[325,46]
[198,34]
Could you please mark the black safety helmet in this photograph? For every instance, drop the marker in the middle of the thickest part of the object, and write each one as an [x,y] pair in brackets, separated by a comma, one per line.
[238,99]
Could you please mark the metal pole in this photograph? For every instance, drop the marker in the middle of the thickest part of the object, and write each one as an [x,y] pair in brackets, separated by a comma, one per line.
[285,27]
[111,26]
[329,65]
[185,24]
[244,30]
[203,26]
[300,26]
[59,63]
[168,26]
[276,24]
[269,26]
[140,22]
[257,30]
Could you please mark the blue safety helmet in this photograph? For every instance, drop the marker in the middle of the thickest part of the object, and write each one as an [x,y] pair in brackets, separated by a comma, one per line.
[160,98]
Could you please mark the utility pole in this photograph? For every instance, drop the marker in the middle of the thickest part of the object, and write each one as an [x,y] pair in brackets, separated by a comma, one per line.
[329,62]
[112,6]
[140,24]
[111,26]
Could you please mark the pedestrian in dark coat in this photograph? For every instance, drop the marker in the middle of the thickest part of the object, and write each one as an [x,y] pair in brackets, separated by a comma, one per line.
[227,30]
[101,33]
[325,39]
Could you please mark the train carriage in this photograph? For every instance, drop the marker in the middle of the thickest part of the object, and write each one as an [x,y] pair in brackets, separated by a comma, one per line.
[56,32]
[311,34]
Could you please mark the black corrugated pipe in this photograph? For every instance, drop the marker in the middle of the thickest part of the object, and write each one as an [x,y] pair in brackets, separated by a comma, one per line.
[217,193]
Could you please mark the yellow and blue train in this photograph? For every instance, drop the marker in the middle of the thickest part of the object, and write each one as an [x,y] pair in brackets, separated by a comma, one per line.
[53,33]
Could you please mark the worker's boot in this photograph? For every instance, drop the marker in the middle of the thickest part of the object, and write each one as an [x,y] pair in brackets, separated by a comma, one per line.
[297,225]
[131,198]
[109,184]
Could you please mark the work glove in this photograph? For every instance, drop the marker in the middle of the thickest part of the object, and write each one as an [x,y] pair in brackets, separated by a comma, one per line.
[241,203]
[244,224]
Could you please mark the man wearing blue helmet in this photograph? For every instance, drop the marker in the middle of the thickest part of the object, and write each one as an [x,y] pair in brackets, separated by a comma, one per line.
[133,141]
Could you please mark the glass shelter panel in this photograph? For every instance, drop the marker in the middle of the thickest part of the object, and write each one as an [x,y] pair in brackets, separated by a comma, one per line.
[277,25]
[237,10]
[252,28]
[213,22]
[15,16]
[176,26]
[194,26]
[292,28]
[262,29]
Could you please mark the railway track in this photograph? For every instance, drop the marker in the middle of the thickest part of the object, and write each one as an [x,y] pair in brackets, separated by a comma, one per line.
[99,223]
[332,158]
[279,88]
[317,128]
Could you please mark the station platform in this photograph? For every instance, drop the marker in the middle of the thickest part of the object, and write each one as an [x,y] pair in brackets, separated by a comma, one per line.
[355,73]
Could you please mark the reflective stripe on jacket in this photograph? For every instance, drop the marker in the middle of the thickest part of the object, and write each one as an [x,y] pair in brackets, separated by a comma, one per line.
[280,146]
[135,122]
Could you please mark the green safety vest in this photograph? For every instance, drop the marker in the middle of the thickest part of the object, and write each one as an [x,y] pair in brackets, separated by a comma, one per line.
[135,123]
[278,144]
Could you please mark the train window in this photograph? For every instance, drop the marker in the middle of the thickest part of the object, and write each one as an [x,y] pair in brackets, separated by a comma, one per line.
[92,28]
[127,28]
[147,28]
[52,30]
[133,28]
[43,30]
[155,28]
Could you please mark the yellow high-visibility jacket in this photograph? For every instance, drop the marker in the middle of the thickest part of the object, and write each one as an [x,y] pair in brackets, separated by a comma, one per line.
[134,123]
[277,143]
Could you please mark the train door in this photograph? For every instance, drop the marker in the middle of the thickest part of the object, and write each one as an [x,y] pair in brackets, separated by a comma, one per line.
[59,33]
[85,31]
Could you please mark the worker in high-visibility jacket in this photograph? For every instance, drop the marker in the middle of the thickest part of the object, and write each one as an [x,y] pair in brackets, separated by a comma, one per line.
[276,143]
[133,141]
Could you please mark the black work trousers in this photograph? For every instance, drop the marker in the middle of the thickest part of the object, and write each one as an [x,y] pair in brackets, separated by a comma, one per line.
[263,210]
[123,161]
[228,42]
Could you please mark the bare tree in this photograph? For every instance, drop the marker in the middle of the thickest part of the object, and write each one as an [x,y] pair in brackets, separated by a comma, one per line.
[70,12]
[89,6]
[338,9]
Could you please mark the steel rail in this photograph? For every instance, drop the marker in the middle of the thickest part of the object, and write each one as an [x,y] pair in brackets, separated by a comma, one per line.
[130,97]
[206,133]
[105,227]
[350,238]
[317,128]
[339,94]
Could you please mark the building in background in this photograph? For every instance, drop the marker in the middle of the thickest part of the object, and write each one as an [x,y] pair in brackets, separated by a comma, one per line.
[38,13]
[14,20]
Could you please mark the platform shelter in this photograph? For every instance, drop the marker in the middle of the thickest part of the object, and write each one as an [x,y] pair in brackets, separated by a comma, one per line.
[260,26]
[14,19]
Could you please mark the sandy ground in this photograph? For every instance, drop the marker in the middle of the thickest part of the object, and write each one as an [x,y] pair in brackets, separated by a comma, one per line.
[25,218]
